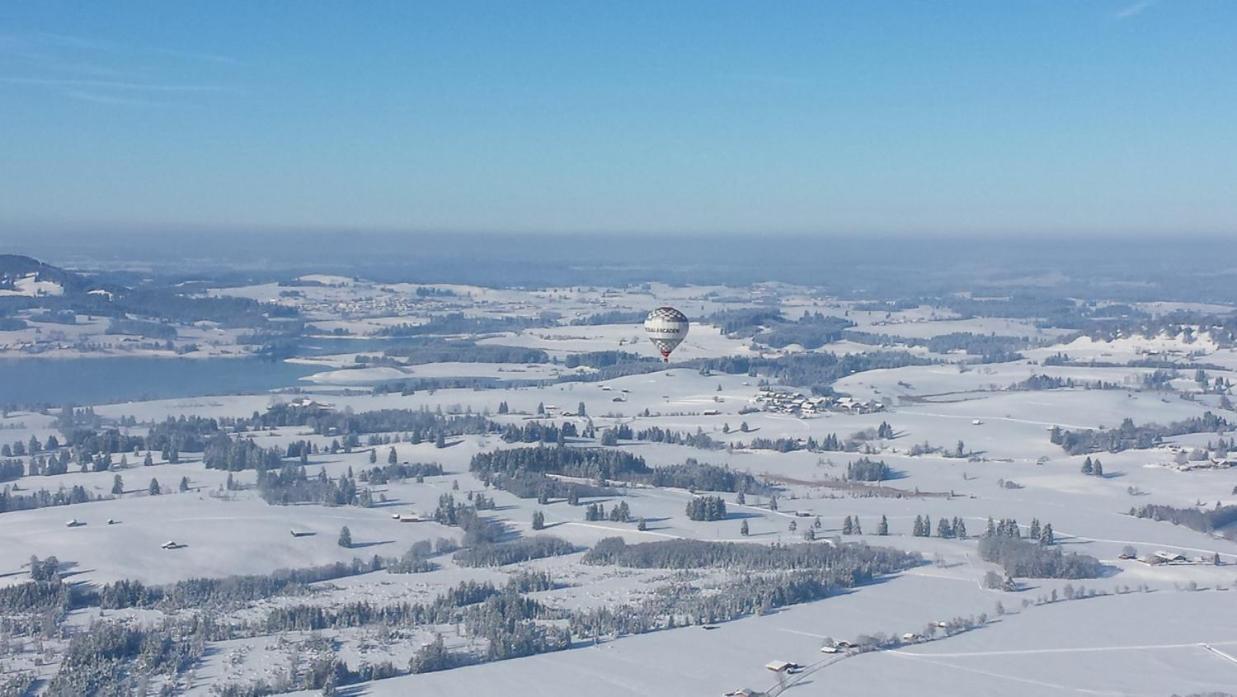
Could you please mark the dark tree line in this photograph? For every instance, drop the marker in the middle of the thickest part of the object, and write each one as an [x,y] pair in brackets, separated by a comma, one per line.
[12,501]
[522,471]
[459,323]
[706,508]
[772,577]
[693,554]
[525,549]
[397,472]
[441,351]
[811,331]
[1203,520]
[11,470]
[290,484]
[1128,435]
[225,453]
[701,476]
[868,470]
[604,359]
[537,432]
[142,328]
[529,485]
[656,434]
[589,463]
[1049,382]
[610,317]
[1019,557]
[478,530]
[745,321]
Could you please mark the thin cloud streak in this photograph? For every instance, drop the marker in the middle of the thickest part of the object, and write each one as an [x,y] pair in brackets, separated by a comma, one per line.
[102,71]
[115,47]
[112,85]
[95,98]
[1134,10]
[769,79]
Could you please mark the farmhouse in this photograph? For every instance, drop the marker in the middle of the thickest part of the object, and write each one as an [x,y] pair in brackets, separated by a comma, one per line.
[1162,557]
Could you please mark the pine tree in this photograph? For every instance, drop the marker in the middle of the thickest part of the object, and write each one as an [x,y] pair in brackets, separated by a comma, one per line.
[743,529]
[392,458]
[148,461]
[1098,470]
[580,411]
[440,441]
[184,484]
[373,456]
[345,537]
[847,528]
[1035,530]
[882,529]
[1087,467]
[153,489]
[943,528]
[118,486]
[538,520]
[642,525]
[1046,537]
[857,528]
[740,498]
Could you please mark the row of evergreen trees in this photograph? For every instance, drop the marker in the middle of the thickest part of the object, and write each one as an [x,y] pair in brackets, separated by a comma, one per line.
[866,469]
[525,549]
[30,447]
[706,508]
[947,528]
[619,513]
[800,573]
[590,463]
[1008,527]
[1128,435]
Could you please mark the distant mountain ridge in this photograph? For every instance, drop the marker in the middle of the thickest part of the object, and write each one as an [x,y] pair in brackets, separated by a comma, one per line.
[28,285]
[15,268]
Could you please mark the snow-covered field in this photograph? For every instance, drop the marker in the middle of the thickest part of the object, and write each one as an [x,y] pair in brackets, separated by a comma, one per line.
[1151,630]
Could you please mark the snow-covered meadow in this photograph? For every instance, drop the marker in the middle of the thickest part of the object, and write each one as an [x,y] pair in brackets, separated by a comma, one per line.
[963,445]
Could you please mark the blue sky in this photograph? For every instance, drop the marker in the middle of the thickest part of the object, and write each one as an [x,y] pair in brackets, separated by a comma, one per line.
[833,117]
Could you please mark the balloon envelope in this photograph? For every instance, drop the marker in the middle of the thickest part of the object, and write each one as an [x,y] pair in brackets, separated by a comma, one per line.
[666,328]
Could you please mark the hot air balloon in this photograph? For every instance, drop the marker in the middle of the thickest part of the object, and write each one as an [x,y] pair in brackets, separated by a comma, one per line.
[666,327]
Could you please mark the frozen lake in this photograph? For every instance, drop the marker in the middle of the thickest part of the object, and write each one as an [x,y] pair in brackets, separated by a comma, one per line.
[114,379]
